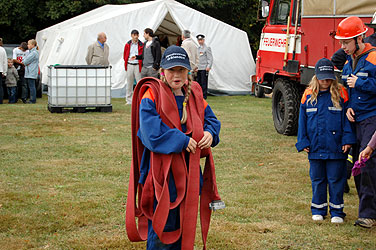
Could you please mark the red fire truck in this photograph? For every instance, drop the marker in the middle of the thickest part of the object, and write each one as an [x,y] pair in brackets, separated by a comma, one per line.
[297,33]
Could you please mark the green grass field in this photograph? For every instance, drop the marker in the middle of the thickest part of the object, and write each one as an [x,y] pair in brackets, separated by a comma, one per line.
[64,178]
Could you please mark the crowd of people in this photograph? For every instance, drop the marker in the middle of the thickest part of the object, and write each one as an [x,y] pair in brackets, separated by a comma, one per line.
[173,126]
[20,72]
[335,117]
[143,59]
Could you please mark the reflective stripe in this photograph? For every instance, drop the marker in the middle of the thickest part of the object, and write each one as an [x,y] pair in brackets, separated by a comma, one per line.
[362,74]
[320,205]
[345,76]
[335,109]
[311,110]
[350,158]
[336,206]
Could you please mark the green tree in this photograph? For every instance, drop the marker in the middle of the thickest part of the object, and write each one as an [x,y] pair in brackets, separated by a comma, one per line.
[21,19]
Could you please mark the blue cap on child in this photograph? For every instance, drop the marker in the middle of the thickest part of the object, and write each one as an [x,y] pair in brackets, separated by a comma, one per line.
[175,56]
[324,69]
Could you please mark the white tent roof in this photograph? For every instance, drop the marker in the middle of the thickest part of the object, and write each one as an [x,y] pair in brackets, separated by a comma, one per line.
[66,43]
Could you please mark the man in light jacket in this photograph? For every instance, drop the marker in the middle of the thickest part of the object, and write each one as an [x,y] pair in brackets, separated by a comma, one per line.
[191,48]
[97,53]
[31,62]
[3,68]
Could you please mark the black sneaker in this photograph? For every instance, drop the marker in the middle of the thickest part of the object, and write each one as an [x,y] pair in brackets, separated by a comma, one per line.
[365,222]
[24,101]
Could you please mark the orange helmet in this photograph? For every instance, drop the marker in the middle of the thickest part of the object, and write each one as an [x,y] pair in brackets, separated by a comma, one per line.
[350,27]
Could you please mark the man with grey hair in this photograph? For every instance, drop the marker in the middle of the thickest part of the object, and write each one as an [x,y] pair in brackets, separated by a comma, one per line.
[191,49]
[97,53]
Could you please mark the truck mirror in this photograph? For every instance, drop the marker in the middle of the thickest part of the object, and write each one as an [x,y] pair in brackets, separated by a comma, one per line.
[265,9]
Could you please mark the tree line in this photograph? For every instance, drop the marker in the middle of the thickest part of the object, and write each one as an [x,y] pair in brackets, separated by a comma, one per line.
[21,19]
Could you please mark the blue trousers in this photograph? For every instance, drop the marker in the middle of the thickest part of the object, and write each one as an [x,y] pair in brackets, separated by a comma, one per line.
[366,182]
[33,91]
[172,224]
[12,94]
[326,173]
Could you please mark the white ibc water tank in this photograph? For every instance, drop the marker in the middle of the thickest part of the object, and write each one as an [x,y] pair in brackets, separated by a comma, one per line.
[79,86]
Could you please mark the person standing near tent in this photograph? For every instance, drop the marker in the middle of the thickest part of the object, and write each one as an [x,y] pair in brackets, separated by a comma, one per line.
[97,53]
[204,65]
[3,68]
[31,62]
[151,55]
[132,67]
[359,74]
[19,55]
[189,45]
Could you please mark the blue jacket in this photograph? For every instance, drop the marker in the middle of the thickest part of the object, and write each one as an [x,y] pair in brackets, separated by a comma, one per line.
[323,128]
[157,137]
[31,62]
[363,96]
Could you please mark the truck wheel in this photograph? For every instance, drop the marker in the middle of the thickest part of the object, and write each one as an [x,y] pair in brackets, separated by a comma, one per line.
[285,104]
[259,91]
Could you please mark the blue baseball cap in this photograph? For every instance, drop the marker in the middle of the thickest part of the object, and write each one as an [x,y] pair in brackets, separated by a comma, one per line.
[175,56]
[324,69]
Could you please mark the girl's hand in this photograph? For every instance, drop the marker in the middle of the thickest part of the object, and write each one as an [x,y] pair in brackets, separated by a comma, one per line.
[306,150]
[192,145]
[346,147]
[350,114]
[366,153]
[206,140]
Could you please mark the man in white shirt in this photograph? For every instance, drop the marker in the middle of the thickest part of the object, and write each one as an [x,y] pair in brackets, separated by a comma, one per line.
[3,68]
[132,66]
[19,55]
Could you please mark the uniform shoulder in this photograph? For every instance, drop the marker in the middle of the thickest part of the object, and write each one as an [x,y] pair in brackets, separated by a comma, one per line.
[148,95]
[306,93]
[344,93]
[371,57]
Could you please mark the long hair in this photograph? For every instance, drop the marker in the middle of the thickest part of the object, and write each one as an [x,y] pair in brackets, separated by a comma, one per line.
[187,94]
[335,91]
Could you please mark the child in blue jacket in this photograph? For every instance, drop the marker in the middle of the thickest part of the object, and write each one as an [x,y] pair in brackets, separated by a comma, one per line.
[172,128]
[326,135]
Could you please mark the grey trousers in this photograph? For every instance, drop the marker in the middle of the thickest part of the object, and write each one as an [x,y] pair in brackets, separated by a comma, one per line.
[133,72]
[149,72]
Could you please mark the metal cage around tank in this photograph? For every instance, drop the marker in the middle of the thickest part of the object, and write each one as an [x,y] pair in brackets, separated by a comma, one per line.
[79,86]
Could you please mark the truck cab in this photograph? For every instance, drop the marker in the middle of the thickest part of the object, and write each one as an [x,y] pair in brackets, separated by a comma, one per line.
[295,36]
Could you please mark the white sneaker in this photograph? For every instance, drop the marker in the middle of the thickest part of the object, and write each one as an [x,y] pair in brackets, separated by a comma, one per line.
[336,219]
[317,217]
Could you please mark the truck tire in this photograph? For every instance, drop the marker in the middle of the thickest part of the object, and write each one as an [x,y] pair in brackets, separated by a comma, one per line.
[285,106]
[259,91]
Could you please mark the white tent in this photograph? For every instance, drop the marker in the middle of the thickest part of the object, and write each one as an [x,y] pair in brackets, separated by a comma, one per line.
[66,43]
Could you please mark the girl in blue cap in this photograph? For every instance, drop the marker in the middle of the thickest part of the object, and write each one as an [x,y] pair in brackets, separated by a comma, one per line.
[172,128]
[326,135]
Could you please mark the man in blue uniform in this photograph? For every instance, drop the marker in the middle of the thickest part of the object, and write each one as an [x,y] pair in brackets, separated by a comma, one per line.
[359,75]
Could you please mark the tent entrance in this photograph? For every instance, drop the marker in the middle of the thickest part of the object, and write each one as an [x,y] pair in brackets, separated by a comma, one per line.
[168,32]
